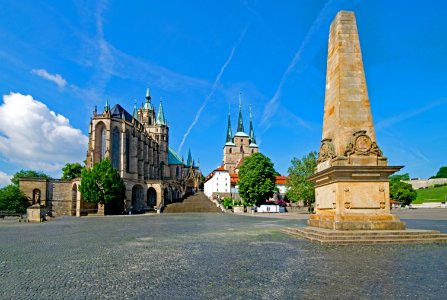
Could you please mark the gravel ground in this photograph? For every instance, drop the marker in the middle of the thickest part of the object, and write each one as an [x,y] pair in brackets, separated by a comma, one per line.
[209,256]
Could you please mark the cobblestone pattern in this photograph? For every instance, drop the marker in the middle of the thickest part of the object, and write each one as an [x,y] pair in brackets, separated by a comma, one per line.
[206,256]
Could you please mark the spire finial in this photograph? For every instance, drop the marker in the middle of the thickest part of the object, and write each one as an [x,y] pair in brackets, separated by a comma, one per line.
[252,132]
[147,105]
[107,107]
[240,122]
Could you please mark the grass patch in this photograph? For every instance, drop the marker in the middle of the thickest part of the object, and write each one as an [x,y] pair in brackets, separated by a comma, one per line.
[435,194]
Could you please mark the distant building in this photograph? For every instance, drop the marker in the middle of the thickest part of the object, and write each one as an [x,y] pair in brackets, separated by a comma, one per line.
[240,144]
[138,147]
[218,182]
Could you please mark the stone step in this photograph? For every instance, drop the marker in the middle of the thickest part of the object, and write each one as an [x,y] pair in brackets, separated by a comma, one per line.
[325,236]
[197,203]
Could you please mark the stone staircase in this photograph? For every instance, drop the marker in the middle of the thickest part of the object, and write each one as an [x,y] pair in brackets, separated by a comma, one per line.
[197,203]
[346,237]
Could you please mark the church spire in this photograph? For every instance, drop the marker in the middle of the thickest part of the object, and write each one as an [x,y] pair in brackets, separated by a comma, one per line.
[229,132]
[135,112]
[252,133]
[189,162]
[240,122]
[107,107]
[147,105]
[161,116]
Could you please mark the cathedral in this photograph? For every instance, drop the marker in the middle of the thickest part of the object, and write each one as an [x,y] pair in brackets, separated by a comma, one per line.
[240,145]
[138,147]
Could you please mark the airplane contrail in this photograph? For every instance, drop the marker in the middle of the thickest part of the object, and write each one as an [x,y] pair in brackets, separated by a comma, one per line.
[213,90]
[272,106]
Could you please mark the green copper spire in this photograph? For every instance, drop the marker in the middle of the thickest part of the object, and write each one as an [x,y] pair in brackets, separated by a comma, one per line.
[240,122]
[107,107]
[147,105]
[229,133]
[252,133]
[161,116]
[135,112]
[189,161]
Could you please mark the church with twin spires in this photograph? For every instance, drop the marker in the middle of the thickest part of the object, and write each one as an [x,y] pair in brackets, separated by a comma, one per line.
[239,145]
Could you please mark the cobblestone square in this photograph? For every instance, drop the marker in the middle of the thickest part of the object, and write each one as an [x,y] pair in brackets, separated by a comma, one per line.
[210,256]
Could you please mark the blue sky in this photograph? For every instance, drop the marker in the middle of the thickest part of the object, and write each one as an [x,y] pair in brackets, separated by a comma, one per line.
[58,59]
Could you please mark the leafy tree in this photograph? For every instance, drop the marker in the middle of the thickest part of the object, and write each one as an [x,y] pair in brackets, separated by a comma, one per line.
[442,173]
[71,171]
[102,184]
[299,188]
[12,199]
[28,173]
[256,179]
[399,177]
[402,192]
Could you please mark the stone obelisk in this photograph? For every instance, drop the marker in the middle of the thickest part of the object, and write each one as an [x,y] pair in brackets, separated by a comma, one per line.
[352,185]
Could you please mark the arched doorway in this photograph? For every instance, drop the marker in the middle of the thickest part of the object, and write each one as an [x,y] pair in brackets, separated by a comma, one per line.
[151,197]
[137,199]
[74,198]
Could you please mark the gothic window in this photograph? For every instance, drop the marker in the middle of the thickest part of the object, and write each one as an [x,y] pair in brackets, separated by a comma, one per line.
[252,151]
[127,152]
[242,149]
[177,172]
[103,143]
[116,143]
[229,151]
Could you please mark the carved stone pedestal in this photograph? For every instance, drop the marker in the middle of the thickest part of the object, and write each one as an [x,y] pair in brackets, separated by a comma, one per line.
[35,213]
[354,198]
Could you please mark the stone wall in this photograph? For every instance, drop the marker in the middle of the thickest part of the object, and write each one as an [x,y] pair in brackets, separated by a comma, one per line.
[422,183]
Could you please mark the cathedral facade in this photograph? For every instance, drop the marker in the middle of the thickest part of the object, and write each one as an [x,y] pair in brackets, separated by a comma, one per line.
[137,145]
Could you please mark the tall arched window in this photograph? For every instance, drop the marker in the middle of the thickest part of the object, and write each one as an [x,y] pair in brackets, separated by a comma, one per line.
[229,151]
[116,145]
[177,172]
[242,149]
[103,143]
[127,152]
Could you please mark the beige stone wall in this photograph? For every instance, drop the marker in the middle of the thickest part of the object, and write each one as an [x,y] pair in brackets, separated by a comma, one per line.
[29,185]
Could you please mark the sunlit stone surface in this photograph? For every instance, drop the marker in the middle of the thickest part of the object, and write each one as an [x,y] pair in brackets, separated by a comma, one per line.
[211,256]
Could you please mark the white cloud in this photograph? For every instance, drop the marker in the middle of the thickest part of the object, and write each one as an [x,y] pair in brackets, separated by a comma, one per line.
[56,78]
[5,179]
[33,136]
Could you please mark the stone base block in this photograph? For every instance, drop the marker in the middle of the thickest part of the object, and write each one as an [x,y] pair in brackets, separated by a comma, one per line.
[35,213]
[346,237]
[356,222]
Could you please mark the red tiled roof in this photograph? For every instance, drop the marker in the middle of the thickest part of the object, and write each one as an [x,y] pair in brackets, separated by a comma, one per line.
[281,180]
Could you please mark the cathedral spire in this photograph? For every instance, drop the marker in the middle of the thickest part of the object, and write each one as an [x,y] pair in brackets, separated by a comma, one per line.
[107,107]
[135,112]
[147,105]
[161,116]
[189,161]
[252,133]
[229,132]
[240,122]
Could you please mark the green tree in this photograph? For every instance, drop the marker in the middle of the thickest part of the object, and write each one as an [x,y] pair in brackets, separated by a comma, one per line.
[442,173]
[256,179]
[102,184]
[299,188]
[400,177]
[12,199]
[402,192]
[71,171]
[28,173]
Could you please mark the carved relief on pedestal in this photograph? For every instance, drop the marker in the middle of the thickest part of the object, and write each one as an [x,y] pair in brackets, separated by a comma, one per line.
[326,151]
[361,144]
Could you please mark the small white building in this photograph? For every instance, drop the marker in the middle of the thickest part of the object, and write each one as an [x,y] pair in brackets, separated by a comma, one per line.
[217,183]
